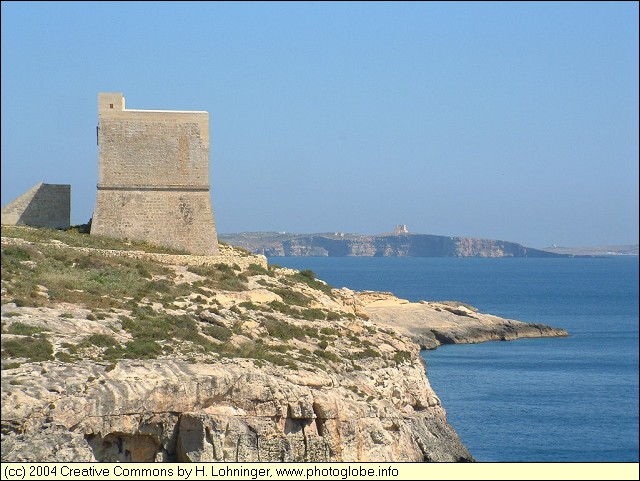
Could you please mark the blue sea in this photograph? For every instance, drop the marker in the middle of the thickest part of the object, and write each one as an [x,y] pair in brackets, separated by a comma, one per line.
[551,400]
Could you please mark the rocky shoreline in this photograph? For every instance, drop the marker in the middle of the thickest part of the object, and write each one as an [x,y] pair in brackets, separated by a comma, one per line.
[431,324]
[219,363]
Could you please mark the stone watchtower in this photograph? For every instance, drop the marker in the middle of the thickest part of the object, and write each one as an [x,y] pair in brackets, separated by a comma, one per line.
[153,177]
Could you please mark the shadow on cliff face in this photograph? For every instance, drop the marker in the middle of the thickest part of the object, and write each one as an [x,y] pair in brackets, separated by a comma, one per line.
[154,441]
[121,447]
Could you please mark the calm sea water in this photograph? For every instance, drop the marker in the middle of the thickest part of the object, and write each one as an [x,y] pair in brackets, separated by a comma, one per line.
[565,399]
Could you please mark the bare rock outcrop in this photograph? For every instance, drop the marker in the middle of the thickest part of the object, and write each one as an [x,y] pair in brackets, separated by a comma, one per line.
[112,358]
[432,324]
[161,410]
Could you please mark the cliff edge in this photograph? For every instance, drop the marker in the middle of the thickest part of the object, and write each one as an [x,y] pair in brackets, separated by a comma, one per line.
[432,324]
[156,358]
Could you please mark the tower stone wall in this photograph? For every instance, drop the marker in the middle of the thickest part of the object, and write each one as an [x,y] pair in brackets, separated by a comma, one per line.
[153,176]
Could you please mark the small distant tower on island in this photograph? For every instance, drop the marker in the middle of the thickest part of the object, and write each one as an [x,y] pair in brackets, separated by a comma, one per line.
[401,229]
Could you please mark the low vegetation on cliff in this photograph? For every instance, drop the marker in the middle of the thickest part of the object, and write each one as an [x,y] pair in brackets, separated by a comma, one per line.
[143,309]
[120,351]
[158,356]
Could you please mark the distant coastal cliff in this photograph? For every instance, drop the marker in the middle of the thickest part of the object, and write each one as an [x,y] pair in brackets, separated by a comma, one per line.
[273,244]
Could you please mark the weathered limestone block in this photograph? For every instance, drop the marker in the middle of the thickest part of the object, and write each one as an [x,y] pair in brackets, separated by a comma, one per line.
[44,205]
[162,410]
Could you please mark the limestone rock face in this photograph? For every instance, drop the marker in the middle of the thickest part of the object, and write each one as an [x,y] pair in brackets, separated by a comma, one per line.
[432,324]
[115,358]
[160,410]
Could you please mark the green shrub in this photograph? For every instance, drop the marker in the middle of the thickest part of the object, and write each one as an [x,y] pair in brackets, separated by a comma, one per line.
[11,365]
[311,332]
[282,330]
[148,326]
[355,390]
[262,352]
[401,357]
[308,273]
[221,276]
[218,332]
[143,271]
[23,329]
[282,348]
[308,277]
[142,349]
[291,297]
[253,307]
[81,228]
[265,283]
[33,348]
[88,280]
[101,340]
[256,270]
[161,286]
[330,356]
[72,348]
[284,308]
[312,314]
[329,331]
[64,357]
[76,237]
[16,253]
[22,302]
[368,352]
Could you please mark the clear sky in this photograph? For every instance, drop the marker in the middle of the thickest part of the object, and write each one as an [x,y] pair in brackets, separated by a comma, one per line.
[511,121]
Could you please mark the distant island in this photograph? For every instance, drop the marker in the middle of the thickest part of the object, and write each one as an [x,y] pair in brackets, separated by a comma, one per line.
[597,251]
[400,243]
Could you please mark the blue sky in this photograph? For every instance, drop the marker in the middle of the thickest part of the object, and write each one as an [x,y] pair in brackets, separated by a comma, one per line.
[512,121]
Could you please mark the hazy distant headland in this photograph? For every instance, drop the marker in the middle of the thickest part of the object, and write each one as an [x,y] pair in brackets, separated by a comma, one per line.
[398,244]
[597,251]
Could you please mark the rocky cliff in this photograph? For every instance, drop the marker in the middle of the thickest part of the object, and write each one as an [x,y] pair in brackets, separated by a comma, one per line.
[432,324]
[386,245]
[112,358]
